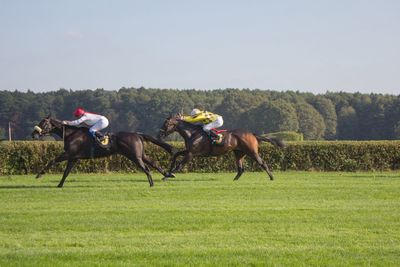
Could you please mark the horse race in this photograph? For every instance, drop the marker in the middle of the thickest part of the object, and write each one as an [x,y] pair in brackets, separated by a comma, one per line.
[214,133]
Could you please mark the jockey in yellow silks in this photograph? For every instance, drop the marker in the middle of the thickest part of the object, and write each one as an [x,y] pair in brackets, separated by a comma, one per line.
[209,121]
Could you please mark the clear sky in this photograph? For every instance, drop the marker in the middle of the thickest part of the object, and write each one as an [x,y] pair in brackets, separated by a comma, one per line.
[305,45]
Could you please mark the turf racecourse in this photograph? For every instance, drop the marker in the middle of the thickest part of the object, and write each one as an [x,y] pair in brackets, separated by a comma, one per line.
[201,219]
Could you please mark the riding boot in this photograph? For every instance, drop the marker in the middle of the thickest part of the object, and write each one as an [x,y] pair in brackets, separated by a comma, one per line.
[213,134]
[100,136]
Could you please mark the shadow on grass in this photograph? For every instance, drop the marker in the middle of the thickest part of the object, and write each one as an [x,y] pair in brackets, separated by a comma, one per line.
[109,180]
[93,183]
[190,179]
[142,181]
[25,186]
[6,187]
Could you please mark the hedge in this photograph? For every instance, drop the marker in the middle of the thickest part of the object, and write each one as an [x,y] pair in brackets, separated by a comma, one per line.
[287,136]
[28,157]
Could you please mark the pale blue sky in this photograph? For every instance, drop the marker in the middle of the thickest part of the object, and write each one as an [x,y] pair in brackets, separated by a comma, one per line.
[313,46]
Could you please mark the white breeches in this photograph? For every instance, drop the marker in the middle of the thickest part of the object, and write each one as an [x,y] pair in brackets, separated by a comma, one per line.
[99,125]
[215,124]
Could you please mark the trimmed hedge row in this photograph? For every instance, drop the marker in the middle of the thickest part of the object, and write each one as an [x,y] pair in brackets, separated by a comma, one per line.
[28,157]
[287,136]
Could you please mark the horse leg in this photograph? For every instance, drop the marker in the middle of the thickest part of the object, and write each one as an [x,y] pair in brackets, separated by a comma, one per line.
[186,159]
[70,165]
[139,161]
[264,165]
[239,155]
[154,165]
[172,166]
[58,159]
[146,170]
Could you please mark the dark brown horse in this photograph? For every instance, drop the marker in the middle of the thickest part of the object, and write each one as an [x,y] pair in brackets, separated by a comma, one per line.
[79,144]
[198,143]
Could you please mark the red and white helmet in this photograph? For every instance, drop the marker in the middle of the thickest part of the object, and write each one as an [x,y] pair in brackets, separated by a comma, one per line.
[79,112]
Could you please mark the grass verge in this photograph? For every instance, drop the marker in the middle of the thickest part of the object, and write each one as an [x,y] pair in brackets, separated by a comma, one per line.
[202,219]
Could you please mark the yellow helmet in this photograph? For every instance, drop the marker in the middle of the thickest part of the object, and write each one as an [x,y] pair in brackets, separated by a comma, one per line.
[195,112]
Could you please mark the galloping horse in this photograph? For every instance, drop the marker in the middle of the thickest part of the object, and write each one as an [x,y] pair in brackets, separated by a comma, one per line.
[79,144]
[197,143]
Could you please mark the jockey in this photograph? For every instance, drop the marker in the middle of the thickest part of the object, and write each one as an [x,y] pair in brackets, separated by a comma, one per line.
[208,120]
[94,122]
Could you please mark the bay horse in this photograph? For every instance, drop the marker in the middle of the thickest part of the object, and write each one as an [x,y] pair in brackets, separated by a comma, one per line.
[79,144]
[198,143]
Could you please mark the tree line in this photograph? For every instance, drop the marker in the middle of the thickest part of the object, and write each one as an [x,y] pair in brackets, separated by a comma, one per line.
[329,116]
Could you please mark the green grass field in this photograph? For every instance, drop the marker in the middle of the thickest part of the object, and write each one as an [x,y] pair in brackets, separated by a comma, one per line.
[201,219]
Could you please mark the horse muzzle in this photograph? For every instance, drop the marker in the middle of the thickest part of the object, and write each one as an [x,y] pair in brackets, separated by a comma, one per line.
[37,132]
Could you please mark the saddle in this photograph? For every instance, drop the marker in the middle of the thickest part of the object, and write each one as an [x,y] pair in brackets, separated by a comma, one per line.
[217,138]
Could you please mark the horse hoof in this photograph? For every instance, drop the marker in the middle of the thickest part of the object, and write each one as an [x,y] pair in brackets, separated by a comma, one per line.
[169,175]
[38,176]
[165,178]
[60,185]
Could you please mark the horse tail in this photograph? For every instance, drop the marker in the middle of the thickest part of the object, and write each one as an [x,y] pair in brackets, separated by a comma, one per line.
[153,140]
[273,140]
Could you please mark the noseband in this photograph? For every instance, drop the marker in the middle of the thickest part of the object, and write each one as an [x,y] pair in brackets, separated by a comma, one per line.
[38,129]
[45,130]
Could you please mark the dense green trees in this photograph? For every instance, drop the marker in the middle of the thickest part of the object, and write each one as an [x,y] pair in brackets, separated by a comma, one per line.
[326,108]
[311,123]
[273,116]
[343,116]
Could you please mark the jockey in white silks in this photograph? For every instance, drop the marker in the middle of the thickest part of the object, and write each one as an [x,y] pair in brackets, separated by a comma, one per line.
[94,122]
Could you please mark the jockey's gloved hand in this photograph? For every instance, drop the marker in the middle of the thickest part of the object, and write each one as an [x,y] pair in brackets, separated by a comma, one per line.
[64,122]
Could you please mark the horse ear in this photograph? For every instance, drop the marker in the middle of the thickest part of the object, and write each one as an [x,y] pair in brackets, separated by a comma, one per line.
[48,116]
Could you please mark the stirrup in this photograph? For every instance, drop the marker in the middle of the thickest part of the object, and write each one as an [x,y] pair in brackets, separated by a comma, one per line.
[213,134]
[104,140]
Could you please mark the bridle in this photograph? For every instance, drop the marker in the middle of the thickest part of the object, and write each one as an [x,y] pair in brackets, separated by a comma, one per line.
[167,131]
[47,129]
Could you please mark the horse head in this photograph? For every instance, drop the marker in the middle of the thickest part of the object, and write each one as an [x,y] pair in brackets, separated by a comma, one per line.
[169,125]
[44,127]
